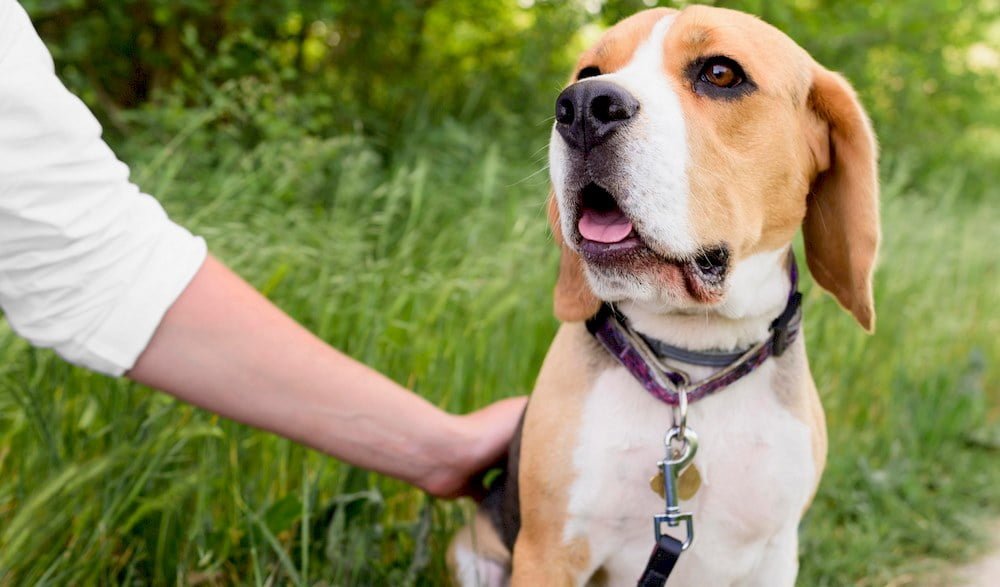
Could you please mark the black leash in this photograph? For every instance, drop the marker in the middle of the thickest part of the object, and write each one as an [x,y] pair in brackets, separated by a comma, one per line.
[661,563]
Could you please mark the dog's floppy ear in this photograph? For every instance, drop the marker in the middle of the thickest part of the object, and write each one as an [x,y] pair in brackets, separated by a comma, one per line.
[574,301]
[841,226]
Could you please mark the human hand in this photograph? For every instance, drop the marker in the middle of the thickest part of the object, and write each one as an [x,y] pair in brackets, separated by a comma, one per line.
[479,442]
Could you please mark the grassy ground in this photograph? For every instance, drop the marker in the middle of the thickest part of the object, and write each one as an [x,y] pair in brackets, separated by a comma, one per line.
[436,268]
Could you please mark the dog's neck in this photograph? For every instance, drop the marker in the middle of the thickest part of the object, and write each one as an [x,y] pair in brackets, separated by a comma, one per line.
[757,292]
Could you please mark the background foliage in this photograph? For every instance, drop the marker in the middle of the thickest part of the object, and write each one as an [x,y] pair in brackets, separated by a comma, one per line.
[377,169]
[928,71]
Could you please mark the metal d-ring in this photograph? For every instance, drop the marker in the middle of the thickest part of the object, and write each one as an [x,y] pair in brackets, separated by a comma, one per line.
[673,521]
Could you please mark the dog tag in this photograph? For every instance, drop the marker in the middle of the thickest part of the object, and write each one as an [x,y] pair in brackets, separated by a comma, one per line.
[657,485]
[687,484]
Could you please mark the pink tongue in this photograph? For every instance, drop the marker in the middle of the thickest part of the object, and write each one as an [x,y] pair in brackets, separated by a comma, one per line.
[604,227]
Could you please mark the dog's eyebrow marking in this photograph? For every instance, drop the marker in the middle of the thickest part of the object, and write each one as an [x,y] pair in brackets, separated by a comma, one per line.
[698,37]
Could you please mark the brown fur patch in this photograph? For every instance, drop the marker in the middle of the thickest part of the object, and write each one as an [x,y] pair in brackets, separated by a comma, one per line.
[551,425]
[841,226]
[573,301]
[794,387]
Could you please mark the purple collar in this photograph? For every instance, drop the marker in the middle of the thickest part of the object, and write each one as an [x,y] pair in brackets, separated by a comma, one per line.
[634,351]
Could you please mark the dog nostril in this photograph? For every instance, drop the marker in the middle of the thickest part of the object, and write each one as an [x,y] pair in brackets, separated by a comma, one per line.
[606,109]
[564,111]
[601,108]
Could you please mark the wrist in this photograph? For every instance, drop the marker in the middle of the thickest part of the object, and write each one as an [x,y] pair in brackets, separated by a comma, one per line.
[450,457]
[466,446]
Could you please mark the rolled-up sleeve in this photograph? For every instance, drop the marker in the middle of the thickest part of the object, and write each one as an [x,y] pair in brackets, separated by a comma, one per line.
[89,265]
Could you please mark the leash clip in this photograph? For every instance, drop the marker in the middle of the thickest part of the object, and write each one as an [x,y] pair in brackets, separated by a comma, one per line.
[677,458]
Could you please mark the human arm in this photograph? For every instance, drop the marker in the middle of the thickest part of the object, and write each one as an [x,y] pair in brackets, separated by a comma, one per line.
[224,347]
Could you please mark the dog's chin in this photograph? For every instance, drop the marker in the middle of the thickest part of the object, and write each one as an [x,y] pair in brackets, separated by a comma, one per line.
[641,275]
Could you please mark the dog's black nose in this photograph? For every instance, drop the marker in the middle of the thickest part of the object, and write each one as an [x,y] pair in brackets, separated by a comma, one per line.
[588,112]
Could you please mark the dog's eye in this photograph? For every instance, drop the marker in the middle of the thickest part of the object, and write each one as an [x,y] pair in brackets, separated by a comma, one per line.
[719,78]
[722,72]
[589,71]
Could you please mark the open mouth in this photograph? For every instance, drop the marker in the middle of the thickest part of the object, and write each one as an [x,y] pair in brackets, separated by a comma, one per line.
[608,238]
[603,226]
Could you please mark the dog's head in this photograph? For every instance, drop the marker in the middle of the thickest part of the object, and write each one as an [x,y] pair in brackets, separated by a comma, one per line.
[689,142]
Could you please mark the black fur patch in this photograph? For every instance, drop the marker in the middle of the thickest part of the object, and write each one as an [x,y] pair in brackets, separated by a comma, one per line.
[502,503]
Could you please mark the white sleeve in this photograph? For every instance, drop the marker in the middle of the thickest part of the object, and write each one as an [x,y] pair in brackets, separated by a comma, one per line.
[88,264]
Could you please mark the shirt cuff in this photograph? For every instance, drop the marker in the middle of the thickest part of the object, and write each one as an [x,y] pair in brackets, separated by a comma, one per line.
[117,344]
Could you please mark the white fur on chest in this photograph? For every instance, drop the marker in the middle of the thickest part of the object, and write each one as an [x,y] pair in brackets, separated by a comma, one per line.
[755,461]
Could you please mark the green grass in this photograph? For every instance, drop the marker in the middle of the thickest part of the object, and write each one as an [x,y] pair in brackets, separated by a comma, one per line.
[436,268]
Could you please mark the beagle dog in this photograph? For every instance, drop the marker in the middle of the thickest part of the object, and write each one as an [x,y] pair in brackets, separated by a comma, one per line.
[687,151]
